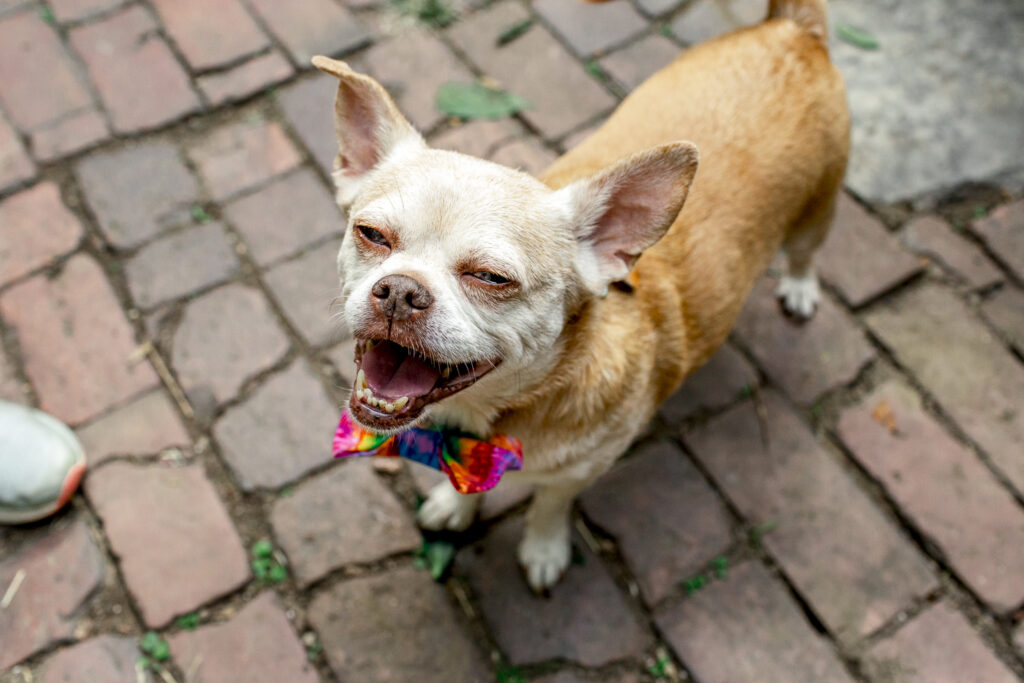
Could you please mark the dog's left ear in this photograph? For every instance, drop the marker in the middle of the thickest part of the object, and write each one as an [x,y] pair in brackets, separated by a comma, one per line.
[625,209]
[368,124]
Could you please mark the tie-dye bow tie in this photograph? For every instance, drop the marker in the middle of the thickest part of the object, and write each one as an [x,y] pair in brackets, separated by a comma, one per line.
[472,465]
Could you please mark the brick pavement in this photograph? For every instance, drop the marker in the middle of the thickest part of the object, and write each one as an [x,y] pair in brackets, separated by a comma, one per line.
[838,501]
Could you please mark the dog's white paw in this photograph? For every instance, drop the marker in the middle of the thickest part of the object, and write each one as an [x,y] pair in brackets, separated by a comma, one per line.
[799,295]
[544,558]
[446,508]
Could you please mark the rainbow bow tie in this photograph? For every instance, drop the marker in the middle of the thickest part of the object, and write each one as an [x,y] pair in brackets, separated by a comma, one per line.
[472,465]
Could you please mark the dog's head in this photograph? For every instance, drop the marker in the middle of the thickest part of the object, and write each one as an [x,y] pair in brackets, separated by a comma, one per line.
[458,275]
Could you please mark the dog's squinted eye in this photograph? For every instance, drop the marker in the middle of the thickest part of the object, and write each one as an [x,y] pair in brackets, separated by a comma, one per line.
[373,235]
[490,278]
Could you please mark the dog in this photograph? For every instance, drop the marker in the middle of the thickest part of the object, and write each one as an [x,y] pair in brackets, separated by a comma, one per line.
[563,310]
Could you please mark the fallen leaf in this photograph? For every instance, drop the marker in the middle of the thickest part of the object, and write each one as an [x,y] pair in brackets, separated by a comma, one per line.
[883,415]
[857,37]
[477,101]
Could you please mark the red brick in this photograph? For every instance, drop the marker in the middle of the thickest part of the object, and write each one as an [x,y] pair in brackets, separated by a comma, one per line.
[714,385]
[158,518]
[938,646]
[143,427]
[11,388]
[245,79]
[61,570]
[806,359]
[524,154]
[586,619]
[137,190]
[534,66]
[344,516]
[308,106]
[477,138]
[958,360]
[932,237]
[210,34]
[281,432]
[298,201]
[31,54]
[848,561]
[36,229]
[745,628]
[106,658]
[75,10]
[179,264]
[632,65]
[1003,232]
[259,637]
[306,289]
[398,627]
[69,135]
[312,27]
[76,344]
[141,84]
[948,493]
[240,155]
[657,8]
[667,520]
[1005,310]
[570,676]
[707,19]
[15,165]
[415,91]
[210,355]
[591,30]
[860,257]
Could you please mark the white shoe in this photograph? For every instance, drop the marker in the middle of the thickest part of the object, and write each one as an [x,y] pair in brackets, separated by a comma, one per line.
[41,464]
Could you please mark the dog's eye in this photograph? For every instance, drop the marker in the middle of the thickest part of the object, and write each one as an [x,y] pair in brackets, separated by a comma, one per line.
[491,278]
[373,235]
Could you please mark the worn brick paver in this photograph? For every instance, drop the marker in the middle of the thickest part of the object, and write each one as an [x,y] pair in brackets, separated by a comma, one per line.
[855,580]
[806,359]
[285,216]
[983,389]
[144,426]
[308,106]
[306,289]
[140,82]
[477,138]
[75,10]
[211,354]
[632,65]
[137,190]
[59,572]
[239,155]
[860,257]
[707,19]
[524,154]
[110,659]
[175,541]
[258,637]
[343,357]
[15,165]
[937,646]
[590,30]
[586,619]
[1003,232]
[399,627]
[312,27]
[534,66]
[667,520]
[932,237]
[716,384]
[944,488]
[11,388]
[25,245]
[345,516]
[658,7]
[1005,310]
[245,79]
[211,34]
[746,629]
[72,134]
[75,341]
[181,263]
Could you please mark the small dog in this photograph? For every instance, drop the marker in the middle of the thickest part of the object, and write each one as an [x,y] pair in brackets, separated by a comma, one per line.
[562,311]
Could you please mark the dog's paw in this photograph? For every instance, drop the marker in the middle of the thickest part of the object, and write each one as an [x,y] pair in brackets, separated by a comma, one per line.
[446,508]
[544,558]
[799,295]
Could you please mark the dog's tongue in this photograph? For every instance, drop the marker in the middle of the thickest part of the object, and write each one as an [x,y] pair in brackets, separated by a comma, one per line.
[391,372]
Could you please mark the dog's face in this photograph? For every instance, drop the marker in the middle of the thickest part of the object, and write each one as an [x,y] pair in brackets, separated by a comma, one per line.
[458,275]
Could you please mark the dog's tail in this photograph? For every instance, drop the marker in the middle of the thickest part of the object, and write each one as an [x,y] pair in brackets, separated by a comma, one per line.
[810,15]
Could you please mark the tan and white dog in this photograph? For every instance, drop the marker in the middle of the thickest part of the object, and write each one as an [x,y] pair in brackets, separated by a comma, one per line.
[562,311]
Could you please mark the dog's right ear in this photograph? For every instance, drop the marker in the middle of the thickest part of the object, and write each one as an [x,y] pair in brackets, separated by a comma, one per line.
[368,124]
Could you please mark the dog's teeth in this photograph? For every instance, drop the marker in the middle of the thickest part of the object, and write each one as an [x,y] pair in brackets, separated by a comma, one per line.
[389,407]
[360,380]
[401,403]
[369,345]
[446,372]
[359,394]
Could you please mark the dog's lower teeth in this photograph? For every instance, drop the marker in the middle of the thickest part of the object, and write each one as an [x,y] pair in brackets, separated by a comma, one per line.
[389,407]
[446,373]
[401,403]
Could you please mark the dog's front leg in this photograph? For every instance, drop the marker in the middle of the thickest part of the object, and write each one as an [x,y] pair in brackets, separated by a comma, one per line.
[446,508]
[545,550]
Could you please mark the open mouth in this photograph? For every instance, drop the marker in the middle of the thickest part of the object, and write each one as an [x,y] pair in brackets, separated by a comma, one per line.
[395,383]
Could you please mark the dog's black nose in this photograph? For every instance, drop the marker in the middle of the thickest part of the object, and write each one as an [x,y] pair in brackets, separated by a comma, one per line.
[400,297]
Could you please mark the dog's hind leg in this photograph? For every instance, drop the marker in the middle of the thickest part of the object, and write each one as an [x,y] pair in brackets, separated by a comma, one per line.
[798,289]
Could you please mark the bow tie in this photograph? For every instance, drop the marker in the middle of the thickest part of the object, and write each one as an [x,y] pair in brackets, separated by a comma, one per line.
[471,464]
